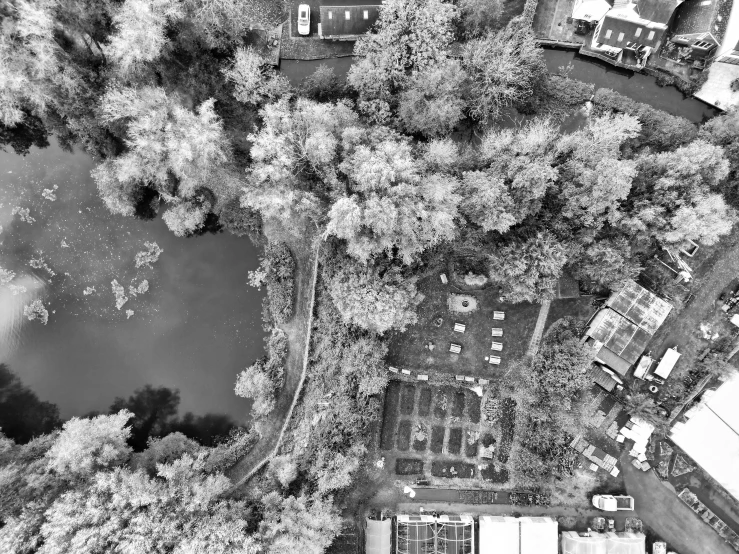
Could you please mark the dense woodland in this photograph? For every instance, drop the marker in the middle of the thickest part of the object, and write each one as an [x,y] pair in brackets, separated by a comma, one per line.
[395,170]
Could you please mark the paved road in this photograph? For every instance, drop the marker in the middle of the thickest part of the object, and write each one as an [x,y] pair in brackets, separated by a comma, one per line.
[668,516]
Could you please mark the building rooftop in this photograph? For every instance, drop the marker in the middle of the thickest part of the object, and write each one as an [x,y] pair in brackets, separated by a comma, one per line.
[619,335]
[659,11]
[620,28]
[703,16]
[348,20]
[511,535]
[378,536]
[637,304]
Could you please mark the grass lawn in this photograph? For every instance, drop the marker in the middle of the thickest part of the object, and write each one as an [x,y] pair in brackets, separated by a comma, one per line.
[408,349]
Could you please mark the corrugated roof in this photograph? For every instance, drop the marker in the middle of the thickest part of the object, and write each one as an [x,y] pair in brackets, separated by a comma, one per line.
[619,335]
[639,305]
[626,29]
[378,536]
[334,20]
[703,16]
[601,378]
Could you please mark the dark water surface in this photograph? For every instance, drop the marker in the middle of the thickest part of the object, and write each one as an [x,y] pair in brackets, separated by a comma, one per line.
[199,324]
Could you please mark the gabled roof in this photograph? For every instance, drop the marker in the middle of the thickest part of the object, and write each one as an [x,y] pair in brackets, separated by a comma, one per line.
[334,20]
[637,304]
[703,16]
[619,335]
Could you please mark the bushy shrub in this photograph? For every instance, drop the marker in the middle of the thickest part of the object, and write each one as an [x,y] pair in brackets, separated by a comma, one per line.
[277,272]
[660,130]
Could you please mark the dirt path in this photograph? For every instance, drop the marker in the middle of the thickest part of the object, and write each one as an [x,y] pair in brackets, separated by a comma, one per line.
[298,332]
[661,509]
[539,329]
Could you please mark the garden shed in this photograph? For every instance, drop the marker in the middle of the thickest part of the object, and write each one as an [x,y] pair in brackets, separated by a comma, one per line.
[378,536]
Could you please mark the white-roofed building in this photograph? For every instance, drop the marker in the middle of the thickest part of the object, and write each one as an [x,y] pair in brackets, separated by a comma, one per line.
[511,535]
[710,436]
[603,543]
[591,11]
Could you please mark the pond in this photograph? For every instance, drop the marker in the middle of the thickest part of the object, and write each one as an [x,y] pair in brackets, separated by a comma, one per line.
[195,328]
[641,88]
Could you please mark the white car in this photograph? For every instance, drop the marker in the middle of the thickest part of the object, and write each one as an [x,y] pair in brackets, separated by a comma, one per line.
[303,19]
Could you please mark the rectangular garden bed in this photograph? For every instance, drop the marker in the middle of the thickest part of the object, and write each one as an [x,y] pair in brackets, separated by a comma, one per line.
[459,470]
[437,439]
[473,407]
[407,399]
[455,440]
[404,435]
[440,404]
[458,407]
[390,415]
[507,426]
[424,401]
[408,466]
[489,473]
[419,444]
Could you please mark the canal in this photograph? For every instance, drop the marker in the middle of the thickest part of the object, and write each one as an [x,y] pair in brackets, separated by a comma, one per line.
[198,325]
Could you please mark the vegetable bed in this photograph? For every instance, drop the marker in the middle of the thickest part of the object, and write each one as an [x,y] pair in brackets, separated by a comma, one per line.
[424,401]
[458,407]
[420,437]
[470,450]
[455,440]
[404,435]
[473,407]
[459,470]
[437,439]
[390,415]
[507,426]
[489,473]
[407,399]
[408,466]
[440,404]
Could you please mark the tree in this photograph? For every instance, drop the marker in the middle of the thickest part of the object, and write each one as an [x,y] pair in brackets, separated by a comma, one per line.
[322,85]
[409,35]
[255,82]
[284,470]
[22,415]
[186,218]
[528,269]
[487,202]
[504,68]
[609,262]
[141,27]
[152,408]
[432,103]
[392,207]
[723,130]
[372,302]
[169,148]
[302,524]
[224,22]
[594,177]
[263,378]
[87,445]
[480,16]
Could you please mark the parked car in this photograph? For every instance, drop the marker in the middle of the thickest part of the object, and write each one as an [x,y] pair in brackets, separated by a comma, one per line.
[303,19]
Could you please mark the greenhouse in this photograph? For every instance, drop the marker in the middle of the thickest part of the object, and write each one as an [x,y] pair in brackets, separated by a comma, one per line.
[425,534]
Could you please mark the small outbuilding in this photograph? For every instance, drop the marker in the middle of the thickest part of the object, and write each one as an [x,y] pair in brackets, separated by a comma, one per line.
[667,363]
[378,536]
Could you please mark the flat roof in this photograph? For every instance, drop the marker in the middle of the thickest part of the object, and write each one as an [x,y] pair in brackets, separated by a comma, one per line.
[667,363]
[511,535]
[334,21]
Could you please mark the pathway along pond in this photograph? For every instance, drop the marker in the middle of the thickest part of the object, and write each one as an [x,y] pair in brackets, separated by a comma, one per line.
[641,88]
[194,330]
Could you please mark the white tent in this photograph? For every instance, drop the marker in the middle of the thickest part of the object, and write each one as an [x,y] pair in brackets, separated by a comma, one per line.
[510,535]
[711,435]
[573,543]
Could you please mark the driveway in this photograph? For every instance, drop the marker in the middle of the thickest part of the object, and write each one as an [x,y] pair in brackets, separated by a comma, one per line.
[661,509]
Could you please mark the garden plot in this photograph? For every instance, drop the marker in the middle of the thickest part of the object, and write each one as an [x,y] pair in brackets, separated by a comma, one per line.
[440,433]
[426,344]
